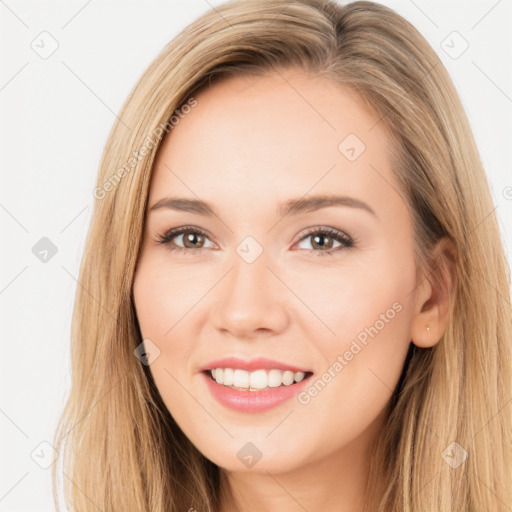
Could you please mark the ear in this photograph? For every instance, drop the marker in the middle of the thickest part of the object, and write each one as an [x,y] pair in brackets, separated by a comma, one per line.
[434,295]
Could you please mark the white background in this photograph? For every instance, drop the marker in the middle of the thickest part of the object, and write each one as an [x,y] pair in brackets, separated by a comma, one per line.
[55,116]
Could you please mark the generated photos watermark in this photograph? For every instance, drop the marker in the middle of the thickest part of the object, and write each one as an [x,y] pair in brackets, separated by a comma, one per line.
[149,143]
[342,360]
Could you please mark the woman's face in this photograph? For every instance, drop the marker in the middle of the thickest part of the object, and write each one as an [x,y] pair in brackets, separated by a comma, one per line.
[255,274]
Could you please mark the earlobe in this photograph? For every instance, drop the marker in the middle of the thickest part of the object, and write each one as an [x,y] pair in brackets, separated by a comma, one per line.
[435,296]
[426,339]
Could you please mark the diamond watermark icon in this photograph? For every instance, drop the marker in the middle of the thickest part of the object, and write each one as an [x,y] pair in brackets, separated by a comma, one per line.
[351,147]
[249,249]
[44,250]
[147,352]
[454,45]
[44,454]
[249,455]
[454,455]
[45,45]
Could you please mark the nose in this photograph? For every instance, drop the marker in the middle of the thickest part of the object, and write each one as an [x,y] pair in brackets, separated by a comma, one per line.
[251,301]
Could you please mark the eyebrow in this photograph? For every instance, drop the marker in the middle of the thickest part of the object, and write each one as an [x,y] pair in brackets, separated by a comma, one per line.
[290,207]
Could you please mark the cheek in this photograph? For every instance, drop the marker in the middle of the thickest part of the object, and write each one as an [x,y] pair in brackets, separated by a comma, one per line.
[368,310]
[164,301]
[360,297]
[160,307]
[357,382]
[163,297]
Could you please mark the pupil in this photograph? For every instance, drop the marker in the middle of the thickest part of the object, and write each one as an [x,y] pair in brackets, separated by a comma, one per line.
[191,238]
[318,237]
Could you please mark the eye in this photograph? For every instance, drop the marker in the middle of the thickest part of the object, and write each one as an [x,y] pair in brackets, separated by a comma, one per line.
[192,238]
[324,238]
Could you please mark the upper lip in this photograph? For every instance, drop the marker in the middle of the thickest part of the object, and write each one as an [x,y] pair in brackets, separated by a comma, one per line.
[253,364]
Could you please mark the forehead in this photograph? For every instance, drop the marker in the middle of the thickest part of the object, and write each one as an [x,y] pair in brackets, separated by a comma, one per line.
[283,133]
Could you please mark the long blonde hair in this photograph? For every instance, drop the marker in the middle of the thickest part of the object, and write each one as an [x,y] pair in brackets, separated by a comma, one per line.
[122,449]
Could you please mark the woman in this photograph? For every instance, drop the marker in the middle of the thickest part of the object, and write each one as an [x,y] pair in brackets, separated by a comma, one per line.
[218,364]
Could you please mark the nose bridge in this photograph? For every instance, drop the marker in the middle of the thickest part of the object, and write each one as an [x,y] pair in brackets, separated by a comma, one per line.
[251,297]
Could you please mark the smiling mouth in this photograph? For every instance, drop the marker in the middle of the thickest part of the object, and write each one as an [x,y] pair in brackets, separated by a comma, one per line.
[257,380]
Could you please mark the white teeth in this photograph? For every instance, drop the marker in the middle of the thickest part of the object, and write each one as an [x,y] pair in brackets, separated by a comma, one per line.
[241,379]
[299,376]
[256,380]
[228,377]
[288,378]
[275,378]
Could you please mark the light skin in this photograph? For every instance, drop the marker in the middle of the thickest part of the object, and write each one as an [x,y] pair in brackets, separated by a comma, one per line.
[249,145]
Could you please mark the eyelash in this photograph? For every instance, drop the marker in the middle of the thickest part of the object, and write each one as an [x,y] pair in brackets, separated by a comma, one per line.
[346,241]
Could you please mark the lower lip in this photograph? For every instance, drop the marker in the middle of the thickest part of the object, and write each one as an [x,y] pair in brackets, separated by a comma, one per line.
[253,401]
